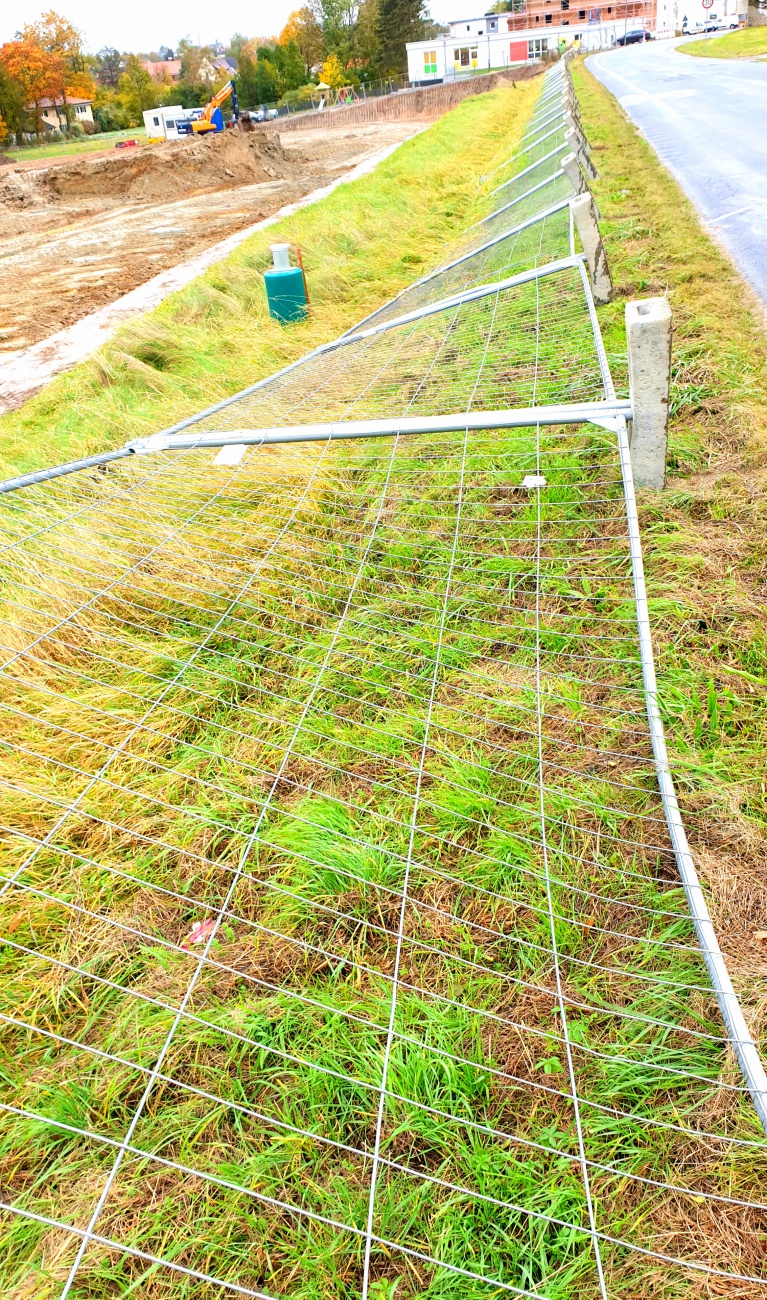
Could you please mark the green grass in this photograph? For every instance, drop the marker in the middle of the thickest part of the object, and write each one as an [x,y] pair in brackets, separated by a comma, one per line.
[63,149]
[748,43]
[314,919]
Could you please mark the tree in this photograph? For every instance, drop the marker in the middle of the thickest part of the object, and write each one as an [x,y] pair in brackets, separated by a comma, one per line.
[338,20]
[63,42]
[291,65]
[399,21]
[332,72]
[137,90]
[191,57]
[368,43]
[106,65]
[303,28]
[58,36]
[109,112]
[37,74]
[235,45]
[12,104]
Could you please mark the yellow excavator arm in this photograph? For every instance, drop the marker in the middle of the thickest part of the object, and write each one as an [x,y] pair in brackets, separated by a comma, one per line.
[212,119]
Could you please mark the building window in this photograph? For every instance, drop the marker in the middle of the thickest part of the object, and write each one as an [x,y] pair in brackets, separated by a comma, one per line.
[548,18]
[474,56]
[461,57]
[565,4]
[582,15]
[430,63]
[536,47]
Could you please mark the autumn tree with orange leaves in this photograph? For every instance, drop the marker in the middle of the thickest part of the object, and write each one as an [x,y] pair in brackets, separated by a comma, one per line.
[59,38]
[38,74]
[46,61]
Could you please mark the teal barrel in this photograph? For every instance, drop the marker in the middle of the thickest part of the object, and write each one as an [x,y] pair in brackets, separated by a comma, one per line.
[285,294]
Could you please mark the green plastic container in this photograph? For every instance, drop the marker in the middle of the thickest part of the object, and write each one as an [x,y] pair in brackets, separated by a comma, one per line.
[285,294]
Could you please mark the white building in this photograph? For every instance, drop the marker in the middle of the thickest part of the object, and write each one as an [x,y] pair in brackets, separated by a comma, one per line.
[479,44]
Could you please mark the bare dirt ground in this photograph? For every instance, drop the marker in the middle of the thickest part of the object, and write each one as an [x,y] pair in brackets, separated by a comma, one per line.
[74,238]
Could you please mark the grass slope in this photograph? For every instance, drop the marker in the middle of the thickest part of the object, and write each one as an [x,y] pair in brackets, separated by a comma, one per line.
[745,44]
[705,537]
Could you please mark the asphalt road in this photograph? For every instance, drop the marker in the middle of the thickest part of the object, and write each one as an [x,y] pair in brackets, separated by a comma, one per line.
[706,120]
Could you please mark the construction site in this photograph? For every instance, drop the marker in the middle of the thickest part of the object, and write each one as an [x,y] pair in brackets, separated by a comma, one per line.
[78,235]
[384,844]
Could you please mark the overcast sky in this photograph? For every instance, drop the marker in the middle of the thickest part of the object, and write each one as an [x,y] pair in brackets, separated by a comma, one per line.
[146,24]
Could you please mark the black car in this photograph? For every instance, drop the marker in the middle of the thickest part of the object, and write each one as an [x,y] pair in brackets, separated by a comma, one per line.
[635,37]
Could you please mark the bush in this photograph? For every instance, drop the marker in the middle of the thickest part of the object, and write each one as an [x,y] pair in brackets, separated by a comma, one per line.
[110,117]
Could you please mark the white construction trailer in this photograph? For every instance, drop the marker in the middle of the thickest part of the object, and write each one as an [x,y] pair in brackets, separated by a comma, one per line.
[162,123]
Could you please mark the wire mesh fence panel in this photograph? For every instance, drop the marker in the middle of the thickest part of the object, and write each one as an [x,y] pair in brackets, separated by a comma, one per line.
[544,241]
[343,940]
[525,345]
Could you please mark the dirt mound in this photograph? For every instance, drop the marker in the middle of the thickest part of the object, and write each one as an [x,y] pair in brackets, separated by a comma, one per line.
[18,190]
[157,173]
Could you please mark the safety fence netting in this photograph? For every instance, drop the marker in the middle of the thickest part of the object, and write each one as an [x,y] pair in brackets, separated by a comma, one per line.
[345,948]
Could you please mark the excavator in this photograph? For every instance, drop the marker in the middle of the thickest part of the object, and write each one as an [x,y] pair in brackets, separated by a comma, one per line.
[211,118]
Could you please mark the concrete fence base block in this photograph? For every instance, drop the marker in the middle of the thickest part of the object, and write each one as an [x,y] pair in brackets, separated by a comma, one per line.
[585,217]
[572,124]
[571,167]
[573,142]
[648,335]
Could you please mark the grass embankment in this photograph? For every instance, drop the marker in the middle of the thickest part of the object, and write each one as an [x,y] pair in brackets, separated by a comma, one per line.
[745,44]
[705,537]
[65,148]
[360,246]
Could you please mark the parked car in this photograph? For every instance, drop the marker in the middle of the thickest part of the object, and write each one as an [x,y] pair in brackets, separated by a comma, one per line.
[712,25]
[635,37]
[258,114]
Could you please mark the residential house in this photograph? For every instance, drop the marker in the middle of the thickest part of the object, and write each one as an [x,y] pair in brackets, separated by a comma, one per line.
[53,114]
[212,69]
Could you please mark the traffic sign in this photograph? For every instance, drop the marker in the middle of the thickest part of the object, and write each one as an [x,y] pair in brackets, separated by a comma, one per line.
[707,4]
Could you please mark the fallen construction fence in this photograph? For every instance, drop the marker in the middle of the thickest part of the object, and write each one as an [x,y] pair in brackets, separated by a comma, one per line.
[344,935]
